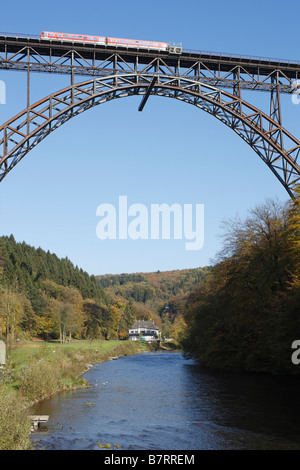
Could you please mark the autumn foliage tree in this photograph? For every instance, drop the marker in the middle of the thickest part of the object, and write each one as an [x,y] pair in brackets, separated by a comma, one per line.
[12,308]
[245,315]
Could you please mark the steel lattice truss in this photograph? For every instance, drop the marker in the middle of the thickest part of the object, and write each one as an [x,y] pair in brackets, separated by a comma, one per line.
[225,70]
[196,79]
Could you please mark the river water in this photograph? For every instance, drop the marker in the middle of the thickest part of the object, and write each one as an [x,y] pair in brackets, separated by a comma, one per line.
[161,401]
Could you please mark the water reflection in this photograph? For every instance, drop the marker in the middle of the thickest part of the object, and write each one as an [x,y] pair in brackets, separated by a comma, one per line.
[161,401]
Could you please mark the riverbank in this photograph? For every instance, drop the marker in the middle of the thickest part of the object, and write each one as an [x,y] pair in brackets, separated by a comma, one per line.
[40,370]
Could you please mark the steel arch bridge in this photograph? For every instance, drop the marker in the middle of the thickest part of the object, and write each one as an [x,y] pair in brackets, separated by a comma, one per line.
[194,78]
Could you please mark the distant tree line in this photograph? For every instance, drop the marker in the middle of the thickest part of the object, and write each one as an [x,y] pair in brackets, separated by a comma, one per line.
[108,280]
[144,287]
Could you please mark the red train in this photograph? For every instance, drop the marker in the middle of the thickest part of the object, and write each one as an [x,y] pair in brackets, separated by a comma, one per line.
[112,42]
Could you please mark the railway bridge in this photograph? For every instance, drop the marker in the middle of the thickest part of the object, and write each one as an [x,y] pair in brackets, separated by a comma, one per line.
[210,81]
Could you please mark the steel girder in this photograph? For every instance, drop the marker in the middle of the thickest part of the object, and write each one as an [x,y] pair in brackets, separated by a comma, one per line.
[31,53]
[265,135]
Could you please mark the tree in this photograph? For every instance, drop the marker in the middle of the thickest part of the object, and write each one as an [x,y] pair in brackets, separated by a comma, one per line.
[64,314]
[94,324]
[11,313]
[244,315]
[293,229]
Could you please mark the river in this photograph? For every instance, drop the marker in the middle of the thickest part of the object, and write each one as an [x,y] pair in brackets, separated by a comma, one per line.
[161,401]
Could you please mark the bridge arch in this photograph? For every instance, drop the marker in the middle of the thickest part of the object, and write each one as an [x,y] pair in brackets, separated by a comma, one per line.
[274,145]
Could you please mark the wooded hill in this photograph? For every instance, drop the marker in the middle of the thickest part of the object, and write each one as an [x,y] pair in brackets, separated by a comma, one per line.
[50,298]
[158,296]
[142,287]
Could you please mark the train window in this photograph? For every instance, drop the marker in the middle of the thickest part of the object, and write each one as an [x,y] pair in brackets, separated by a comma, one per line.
[65,35]
[60,35]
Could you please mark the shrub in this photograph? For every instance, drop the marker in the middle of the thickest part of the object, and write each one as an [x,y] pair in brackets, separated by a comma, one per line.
[14,422]
[40,380]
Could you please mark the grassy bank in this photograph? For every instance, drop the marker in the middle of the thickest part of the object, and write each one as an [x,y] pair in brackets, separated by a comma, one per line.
[40,370]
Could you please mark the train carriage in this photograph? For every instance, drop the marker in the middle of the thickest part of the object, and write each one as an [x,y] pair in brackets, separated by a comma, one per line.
[73,37]
[112,42]
[136,43]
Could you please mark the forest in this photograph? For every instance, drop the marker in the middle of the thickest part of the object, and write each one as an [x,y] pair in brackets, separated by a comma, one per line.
[159,296]
[245,315]
[45,297]
[42,296]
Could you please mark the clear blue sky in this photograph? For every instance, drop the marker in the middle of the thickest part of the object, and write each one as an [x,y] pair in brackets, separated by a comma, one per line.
[169,153]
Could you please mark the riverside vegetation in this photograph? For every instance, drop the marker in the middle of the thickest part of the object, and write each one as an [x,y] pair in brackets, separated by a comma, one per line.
[40,370]
[246,314]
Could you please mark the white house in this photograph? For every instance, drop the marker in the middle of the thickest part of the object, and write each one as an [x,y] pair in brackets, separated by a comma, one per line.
[144,330]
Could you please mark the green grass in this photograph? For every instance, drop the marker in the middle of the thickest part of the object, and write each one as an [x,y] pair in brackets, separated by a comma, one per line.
[29,352]
[40,369]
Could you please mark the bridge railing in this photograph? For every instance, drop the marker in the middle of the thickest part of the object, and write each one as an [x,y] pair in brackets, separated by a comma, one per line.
[244,56]
[20,35]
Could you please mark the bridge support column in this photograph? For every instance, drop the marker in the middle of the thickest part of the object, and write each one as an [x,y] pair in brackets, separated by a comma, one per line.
[237,83]
[72,76]
[28,89]
[275,126]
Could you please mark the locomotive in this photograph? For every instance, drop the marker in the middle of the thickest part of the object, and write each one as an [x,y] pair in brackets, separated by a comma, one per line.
[112,42]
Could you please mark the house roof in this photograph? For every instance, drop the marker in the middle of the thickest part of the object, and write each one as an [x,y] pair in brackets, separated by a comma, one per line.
[144,324]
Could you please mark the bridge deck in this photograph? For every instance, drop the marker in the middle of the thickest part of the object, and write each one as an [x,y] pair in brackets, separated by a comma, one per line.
[218,62]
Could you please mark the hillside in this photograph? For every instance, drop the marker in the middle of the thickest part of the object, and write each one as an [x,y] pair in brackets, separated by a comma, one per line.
[159,296]
[42,296]
[146,286]
[47,297]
